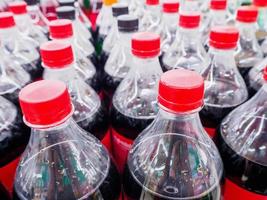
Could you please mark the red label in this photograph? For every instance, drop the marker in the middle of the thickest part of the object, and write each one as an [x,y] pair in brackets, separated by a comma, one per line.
[211,132]
[121,147]
[234,192]
[106,141]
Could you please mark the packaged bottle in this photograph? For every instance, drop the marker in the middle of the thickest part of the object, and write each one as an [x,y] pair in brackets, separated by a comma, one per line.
[134,104]
[241,142]
[21,48]
[62,30]
[174,158]
[113,36]
[48,7]
[248,52]
[187,50]
[225,88]
[25,24]
[170,18]
[90,114]
[262,7]
[61,160]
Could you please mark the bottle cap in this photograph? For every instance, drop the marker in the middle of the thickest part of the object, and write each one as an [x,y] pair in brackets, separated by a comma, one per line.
[265,74]
[127,23]
[6,20]
[18,7]
[152,2]
[189,19]
[66,2]
[171,6]
[119,9]
[181,90]
[218,4]
[247,14]
[223,37]
[45,102]
[56,54]
[260,3]
[66,12]
[60,28]
[31,2]
[145,44]
[109,2]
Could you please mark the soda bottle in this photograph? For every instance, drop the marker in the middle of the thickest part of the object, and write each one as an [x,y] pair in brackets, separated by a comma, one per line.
[174,158]
[61,30]
[248,52]
[90,114]
[225,88]
[61,160]
[134,104]
[169,26]
[137,8]
[216,17]
[262,7]
[24,22]
[48,7]
[118,63]
[187,50]
[21,48]
[113,36]
[241,142]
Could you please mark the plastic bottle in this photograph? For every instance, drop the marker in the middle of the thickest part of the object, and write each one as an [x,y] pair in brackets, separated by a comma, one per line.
[61,30]
[61,160]
[48,7]
[187,50]
[225,88]
[90,114]
[137,8]
[120,59]
[25,24]
[242,144]
[262,7]
[174,158]
[20,47]
[134,104]
[248,53]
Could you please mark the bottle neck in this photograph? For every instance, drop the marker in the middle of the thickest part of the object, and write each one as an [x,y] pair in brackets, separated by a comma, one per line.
[125,39]
[218,17]
[146,66]
[189,37]
[67,40]
[247,32]
[154,10]
[169,19]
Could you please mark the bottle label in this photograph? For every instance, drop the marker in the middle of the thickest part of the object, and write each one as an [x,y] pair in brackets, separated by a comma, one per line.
[121,147]
[234,192]
[211,132]
[106,141]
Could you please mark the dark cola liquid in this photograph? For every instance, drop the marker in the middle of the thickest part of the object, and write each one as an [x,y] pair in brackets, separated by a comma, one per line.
[247,174]
[35,69]
[3,193]
[94,82]
[212,116]
[127,126]
[13,140]
[110,189]
[103,59]
[97,124]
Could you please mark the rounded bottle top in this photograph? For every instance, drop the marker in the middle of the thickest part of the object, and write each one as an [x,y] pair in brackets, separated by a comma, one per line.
[218,4]
[119,9]
[189,19]
[128,23]
[171,6]
[152,2]
[56,54]
[31,2]
[45,103]
[181,90]
[247,14]
[66,2]
[6,20]
[60,28]
[224,37]
[109,2]
[145,44]
[260,3]
[66,12]
[18,7]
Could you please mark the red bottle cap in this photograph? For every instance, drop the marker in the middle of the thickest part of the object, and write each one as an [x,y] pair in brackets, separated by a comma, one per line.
[152,2]
[145,45]
[56,54]
[260,3]
[189,19]
[18,7]
[265,74]
[247,14]
[6,20]
[61,28]
[181,90]
[45,102]
[218,4]
[171,6]
[224,37]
